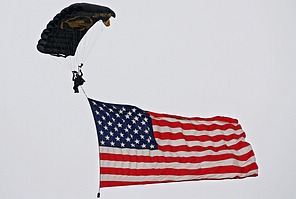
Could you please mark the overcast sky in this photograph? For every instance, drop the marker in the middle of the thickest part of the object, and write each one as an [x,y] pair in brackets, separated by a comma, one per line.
[191,58]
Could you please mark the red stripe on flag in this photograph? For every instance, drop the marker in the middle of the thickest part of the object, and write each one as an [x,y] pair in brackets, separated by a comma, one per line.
[216,118]
[201,138]
[124,183]
[178,172]
[170,148]
[199,127]
[160,159]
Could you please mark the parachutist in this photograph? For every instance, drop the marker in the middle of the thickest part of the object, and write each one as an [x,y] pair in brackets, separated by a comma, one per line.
[77,78]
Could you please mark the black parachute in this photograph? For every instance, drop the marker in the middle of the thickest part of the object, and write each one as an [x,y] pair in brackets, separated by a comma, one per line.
[63,34]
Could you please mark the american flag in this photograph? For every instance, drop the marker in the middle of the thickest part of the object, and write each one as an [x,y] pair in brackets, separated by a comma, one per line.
[143,147]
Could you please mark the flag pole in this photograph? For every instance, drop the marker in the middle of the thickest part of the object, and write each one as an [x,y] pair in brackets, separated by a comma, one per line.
[99,175]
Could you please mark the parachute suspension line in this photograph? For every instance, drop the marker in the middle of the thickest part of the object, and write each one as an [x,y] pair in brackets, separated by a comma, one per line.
[84,45]
[67,45]
[62,46]
[80,50]
[78,58]
[65,66]
[73,59]
[94,41]
[88,42]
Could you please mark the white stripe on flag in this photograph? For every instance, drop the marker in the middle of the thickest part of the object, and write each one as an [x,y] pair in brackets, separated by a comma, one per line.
[173,165]
[158,178]
[164,129]
[182,142]
[192,121]
[152,153]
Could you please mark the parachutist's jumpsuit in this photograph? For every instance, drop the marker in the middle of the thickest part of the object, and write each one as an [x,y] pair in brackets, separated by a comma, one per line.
[78,80]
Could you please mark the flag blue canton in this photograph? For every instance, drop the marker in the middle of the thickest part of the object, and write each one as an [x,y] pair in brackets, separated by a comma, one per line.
[123,126]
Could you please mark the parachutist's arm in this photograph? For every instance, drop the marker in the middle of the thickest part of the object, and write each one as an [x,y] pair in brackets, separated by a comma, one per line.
[80,72]
[73,77]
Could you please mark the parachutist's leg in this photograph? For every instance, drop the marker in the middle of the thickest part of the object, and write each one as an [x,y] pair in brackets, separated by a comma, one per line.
[75,88]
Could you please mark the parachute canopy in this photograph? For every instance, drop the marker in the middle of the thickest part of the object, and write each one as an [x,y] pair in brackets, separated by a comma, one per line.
[63,34]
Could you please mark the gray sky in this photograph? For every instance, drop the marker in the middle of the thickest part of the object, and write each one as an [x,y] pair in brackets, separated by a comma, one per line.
[192,58]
